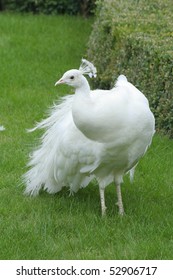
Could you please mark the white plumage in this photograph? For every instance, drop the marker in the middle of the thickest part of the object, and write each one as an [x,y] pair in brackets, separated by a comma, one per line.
[98,134]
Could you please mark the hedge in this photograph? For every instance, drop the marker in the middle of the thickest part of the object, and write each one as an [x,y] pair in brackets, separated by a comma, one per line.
[135,38]
[72,7]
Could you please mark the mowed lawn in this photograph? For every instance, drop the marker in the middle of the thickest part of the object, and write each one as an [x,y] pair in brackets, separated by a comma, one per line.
[34,52]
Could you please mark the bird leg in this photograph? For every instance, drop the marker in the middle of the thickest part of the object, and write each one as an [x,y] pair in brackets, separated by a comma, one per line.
[102,200]
[120,202]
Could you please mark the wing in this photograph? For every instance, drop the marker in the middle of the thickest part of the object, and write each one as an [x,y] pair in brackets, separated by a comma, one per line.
[65,156]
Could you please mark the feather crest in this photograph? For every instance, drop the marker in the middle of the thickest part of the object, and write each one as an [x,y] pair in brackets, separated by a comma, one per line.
[88,68]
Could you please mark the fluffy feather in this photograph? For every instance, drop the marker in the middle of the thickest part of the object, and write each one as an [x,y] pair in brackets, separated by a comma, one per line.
[64,151]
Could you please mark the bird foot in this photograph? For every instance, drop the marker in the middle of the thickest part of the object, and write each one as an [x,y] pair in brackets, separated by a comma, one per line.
[104,211]
[121,209]
[121,212]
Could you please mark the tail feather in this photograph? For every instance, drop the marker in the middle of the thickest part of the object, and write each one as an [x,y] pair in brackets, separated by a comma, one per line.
[121,79]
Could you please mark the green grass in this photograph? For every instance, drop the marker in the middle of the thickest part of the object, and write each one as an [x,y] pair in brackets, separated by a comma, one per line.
[34,53]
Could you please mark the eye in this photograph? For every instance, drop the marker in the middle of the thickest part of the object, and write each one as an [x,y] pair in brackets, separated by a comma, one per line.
[72,77]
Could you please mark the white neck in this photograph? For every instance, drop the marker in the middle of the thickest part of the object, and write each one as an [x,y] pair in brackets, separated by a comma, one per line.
[82,105]
[83,89]
[89,114]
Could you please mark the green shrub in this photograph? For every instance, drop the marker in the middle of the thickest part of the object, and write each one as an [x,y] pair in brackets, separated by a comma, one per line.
[72,7]
[135,38]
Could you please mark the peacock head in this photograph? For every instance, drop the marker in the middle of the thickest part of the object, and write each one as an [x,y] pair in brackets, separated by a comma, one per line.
[75,77]
[72,78]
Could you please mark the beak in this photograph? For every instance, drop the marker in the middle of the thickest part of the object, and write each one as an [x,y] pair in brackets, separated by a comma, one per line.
[61,81]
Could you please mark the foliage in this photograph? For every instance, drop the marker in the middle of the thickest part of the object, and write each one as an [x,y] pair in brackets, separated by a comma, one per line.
[135,38]
[72,7]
